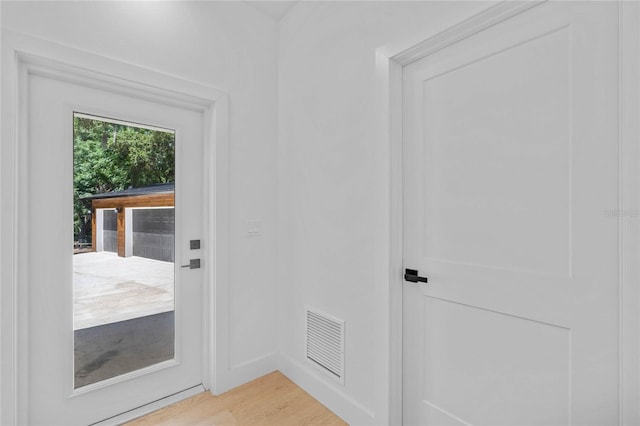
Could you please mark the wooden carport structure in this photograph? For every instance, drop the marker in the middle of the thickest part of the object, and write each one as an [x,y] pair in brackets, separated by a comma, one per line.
[159,195]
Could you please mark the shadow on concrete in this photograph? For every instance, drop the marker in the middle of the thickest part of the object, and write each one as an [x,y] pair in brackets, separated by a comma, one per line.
[110,350]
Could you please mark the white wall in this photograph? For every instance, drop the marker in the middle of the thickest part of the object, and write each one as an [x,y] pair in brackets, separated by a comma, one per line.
[230,46]
[328,164]
[333,187]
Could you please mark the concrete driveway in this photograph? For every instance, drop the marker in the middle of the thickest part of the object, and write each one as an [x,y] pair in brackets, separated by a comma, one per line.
[109,289]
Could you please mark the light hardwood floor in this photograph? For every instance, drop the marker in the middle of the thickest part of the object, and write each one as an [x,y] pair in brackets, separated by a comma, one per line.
[269,400]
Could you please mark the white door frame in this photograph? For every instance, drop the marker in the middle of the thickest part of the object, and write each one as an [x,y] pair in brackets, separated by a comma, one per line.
[25,55]
[391,59]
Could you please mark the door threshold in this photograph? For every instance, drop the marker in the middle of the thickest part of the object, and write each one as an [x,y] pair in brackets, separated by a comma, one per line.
[127,416]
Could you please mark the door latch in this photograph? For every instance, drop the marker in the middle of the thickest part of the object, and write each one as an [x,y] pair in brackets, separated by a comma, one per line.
[193,264]
[411,275]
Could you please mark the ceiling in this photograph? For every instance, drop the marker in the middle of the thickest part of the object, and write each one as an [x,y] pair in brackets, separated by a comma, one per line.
[275,9]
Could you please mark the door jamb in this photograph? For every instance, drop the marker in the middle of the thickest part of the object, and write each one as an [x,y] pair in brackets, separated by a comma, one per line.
[390,61]
[22,55]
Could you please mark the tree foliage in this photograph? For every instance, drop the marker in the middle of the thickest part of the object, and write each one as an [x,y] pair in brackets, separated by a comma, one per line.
[112,157]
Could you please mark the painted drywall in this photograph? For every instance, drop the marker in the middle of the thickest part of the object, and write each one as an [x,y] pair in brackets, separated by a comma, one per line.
[333,215]
[328,165]
[227,45]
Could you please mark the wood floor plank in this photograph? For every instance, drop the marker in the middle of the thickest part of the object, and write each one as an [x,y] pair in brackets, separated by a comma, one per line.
[270,400]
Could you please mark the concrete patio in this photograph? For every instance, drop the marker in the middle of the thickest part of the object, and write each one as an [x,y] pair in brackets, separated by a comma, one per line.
[109,289]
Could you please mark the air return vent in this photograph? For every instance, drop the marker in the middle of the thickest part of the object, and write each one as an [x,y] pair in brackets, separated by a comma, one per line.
[325,343]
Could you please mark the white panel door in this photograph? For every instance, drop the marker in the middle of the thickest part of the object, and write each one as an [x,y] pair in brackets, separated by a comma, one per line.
[510,167]
[51,396]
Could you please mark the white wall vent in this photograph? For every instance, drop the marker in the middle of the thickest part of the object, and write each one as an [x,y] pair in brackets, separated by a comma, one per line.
[325,343]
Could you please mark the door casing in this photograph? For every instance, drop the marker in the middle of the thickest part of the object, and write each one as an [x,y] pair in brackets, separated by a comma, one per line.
[390,60]
[24,55]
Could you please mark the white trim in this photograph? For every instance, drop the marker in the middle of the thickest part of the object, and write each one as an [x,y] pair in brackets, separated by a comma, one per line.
[629,206]
[75,392]
[100,229]
[244,372]
[23,54]
[389,88]
[151,407]
[217,296]
[473,25]
[77,114]
[389,64]
[128,232]
[327,391]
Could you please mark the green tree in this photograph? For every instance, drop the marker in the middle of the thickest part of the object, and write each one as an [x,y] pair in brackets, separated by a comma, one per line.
[111,157]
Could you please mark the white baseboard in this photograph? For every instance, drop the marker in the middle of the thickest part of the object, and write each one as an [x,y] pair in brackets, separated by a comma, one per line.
[324,390]
[245,372]
[327,392]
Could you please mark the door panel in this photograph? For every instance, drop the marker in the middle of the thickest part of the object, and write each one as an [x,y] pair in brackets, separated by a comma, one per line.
[469,350]
[510,163]
[51,395]
[473,202]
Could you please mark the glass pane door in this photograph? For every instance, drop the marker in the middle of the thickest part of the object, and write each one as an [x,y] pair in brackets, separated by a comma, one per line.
[124,247]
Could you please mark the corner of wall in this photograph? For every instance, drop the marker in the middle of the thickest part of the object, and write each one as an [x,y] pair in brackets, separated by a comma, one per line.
[348,409]
[245,372]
